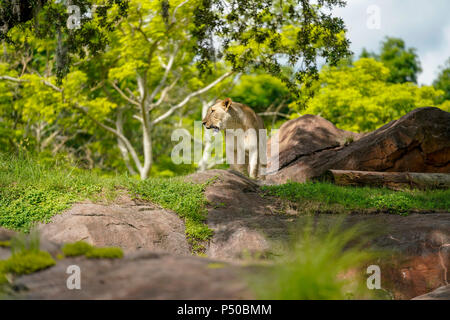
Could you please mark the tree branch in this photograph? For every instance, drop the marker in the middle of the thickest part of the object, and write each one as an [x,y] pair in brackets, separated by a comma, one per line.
[190,96]
[130,100]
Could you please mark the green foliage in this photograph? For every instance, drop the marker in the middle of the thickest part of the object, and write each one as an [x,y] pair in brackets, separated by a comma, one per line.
[256,33]
[403,63]
[259,91]
[185,198]
[26,242]
[81,248]
[5,244]
[327,197]
[33,192]
[359,98]
[443,81]
[313,266]
[26,262]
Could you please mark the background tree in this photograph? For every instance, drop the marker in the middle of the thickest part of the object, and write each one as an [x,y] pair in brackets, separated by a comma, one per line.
[159,60]
[360,98]
[403,63]
[443,81]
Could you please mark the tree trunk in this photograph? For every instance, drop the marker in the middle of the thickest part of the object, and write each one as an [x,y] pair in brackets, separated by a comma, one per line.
[123,149]
[392,180]
[206,160]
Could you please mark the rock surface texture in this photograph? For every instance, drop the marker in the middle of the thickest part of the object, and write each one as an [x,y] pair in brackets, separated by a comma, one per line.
[127,224]
[417,142]
[142,275]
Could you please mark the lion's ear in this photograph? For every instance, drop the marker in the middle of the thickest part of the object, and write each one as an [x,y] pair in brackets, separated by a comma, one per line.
[227,103]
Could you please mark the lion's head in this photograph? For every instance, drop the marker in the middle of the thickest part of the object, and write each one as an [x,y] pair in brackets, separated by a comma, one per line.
[217,115]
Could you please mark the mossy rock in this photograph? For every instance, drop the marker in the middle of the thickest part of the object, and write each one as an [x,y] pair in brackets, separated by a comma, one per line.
[81,248]
[26,262]
[105,253]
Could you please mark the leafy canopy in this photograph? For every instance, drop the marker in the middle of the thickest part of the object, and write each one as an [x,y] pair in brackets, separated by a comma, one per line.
[403,63]
[359,97]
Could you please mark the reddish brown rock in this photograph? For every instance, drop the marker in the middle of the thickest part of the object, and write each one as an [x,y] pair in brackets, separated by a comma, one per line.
[305,136]
[128,225]
[417,142]
[243,222]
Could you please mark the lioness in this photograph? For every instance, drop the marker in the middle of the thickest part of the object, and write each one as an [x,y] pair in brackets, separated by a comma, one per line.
[231,116]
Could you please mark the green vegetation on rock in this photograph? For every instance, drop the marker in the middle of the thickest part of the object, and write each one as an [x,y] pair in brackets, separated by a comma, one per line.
[105,253]
[313,266]
[32,191]
[81,248]
[187,199]
[26,262]
[327,197]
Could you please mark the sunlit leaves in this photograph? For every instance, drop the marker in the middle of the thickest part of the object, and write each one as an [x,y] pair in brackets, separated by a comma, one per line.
[360,98]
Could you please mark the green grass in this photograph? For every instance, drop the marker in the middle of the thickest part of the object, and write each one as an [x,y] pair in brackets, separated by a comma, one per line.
[26,256]
[327,197]
[185,198]
[320,263]
[33,191]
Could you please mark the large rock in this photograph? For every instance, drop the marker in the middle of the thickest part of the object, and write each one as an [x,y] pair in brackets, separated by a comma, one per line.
[243,222]
[247,224]
[305,136]
[417,142]
[142,275]
[129,225]
[442,293]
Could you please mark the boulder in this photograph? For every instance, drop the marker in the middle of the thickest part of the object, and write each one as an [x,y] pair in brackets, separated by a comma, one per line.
[129,225]
[243,222]
[442,293]
[304,136]
[247,224]
[417,142]
[141,275]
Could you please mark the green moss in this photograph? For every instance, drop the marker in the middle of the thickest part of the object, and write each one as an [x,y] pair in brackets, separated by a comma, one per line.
[26,262]
[5,244]
[327,197]
[79,248]
[105,253]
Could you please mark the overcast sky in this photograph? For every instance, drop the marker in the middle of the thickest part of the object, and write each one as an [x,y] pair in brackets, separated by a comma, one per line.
[423,24]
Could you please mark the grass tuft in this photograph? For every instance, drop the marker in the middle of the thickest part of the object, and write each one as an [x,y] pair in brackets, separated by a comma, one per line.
[316,266]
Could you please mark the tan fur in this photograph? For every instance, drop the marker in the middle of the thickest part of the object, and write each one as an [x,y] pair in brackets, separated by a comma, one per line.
[226,114]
